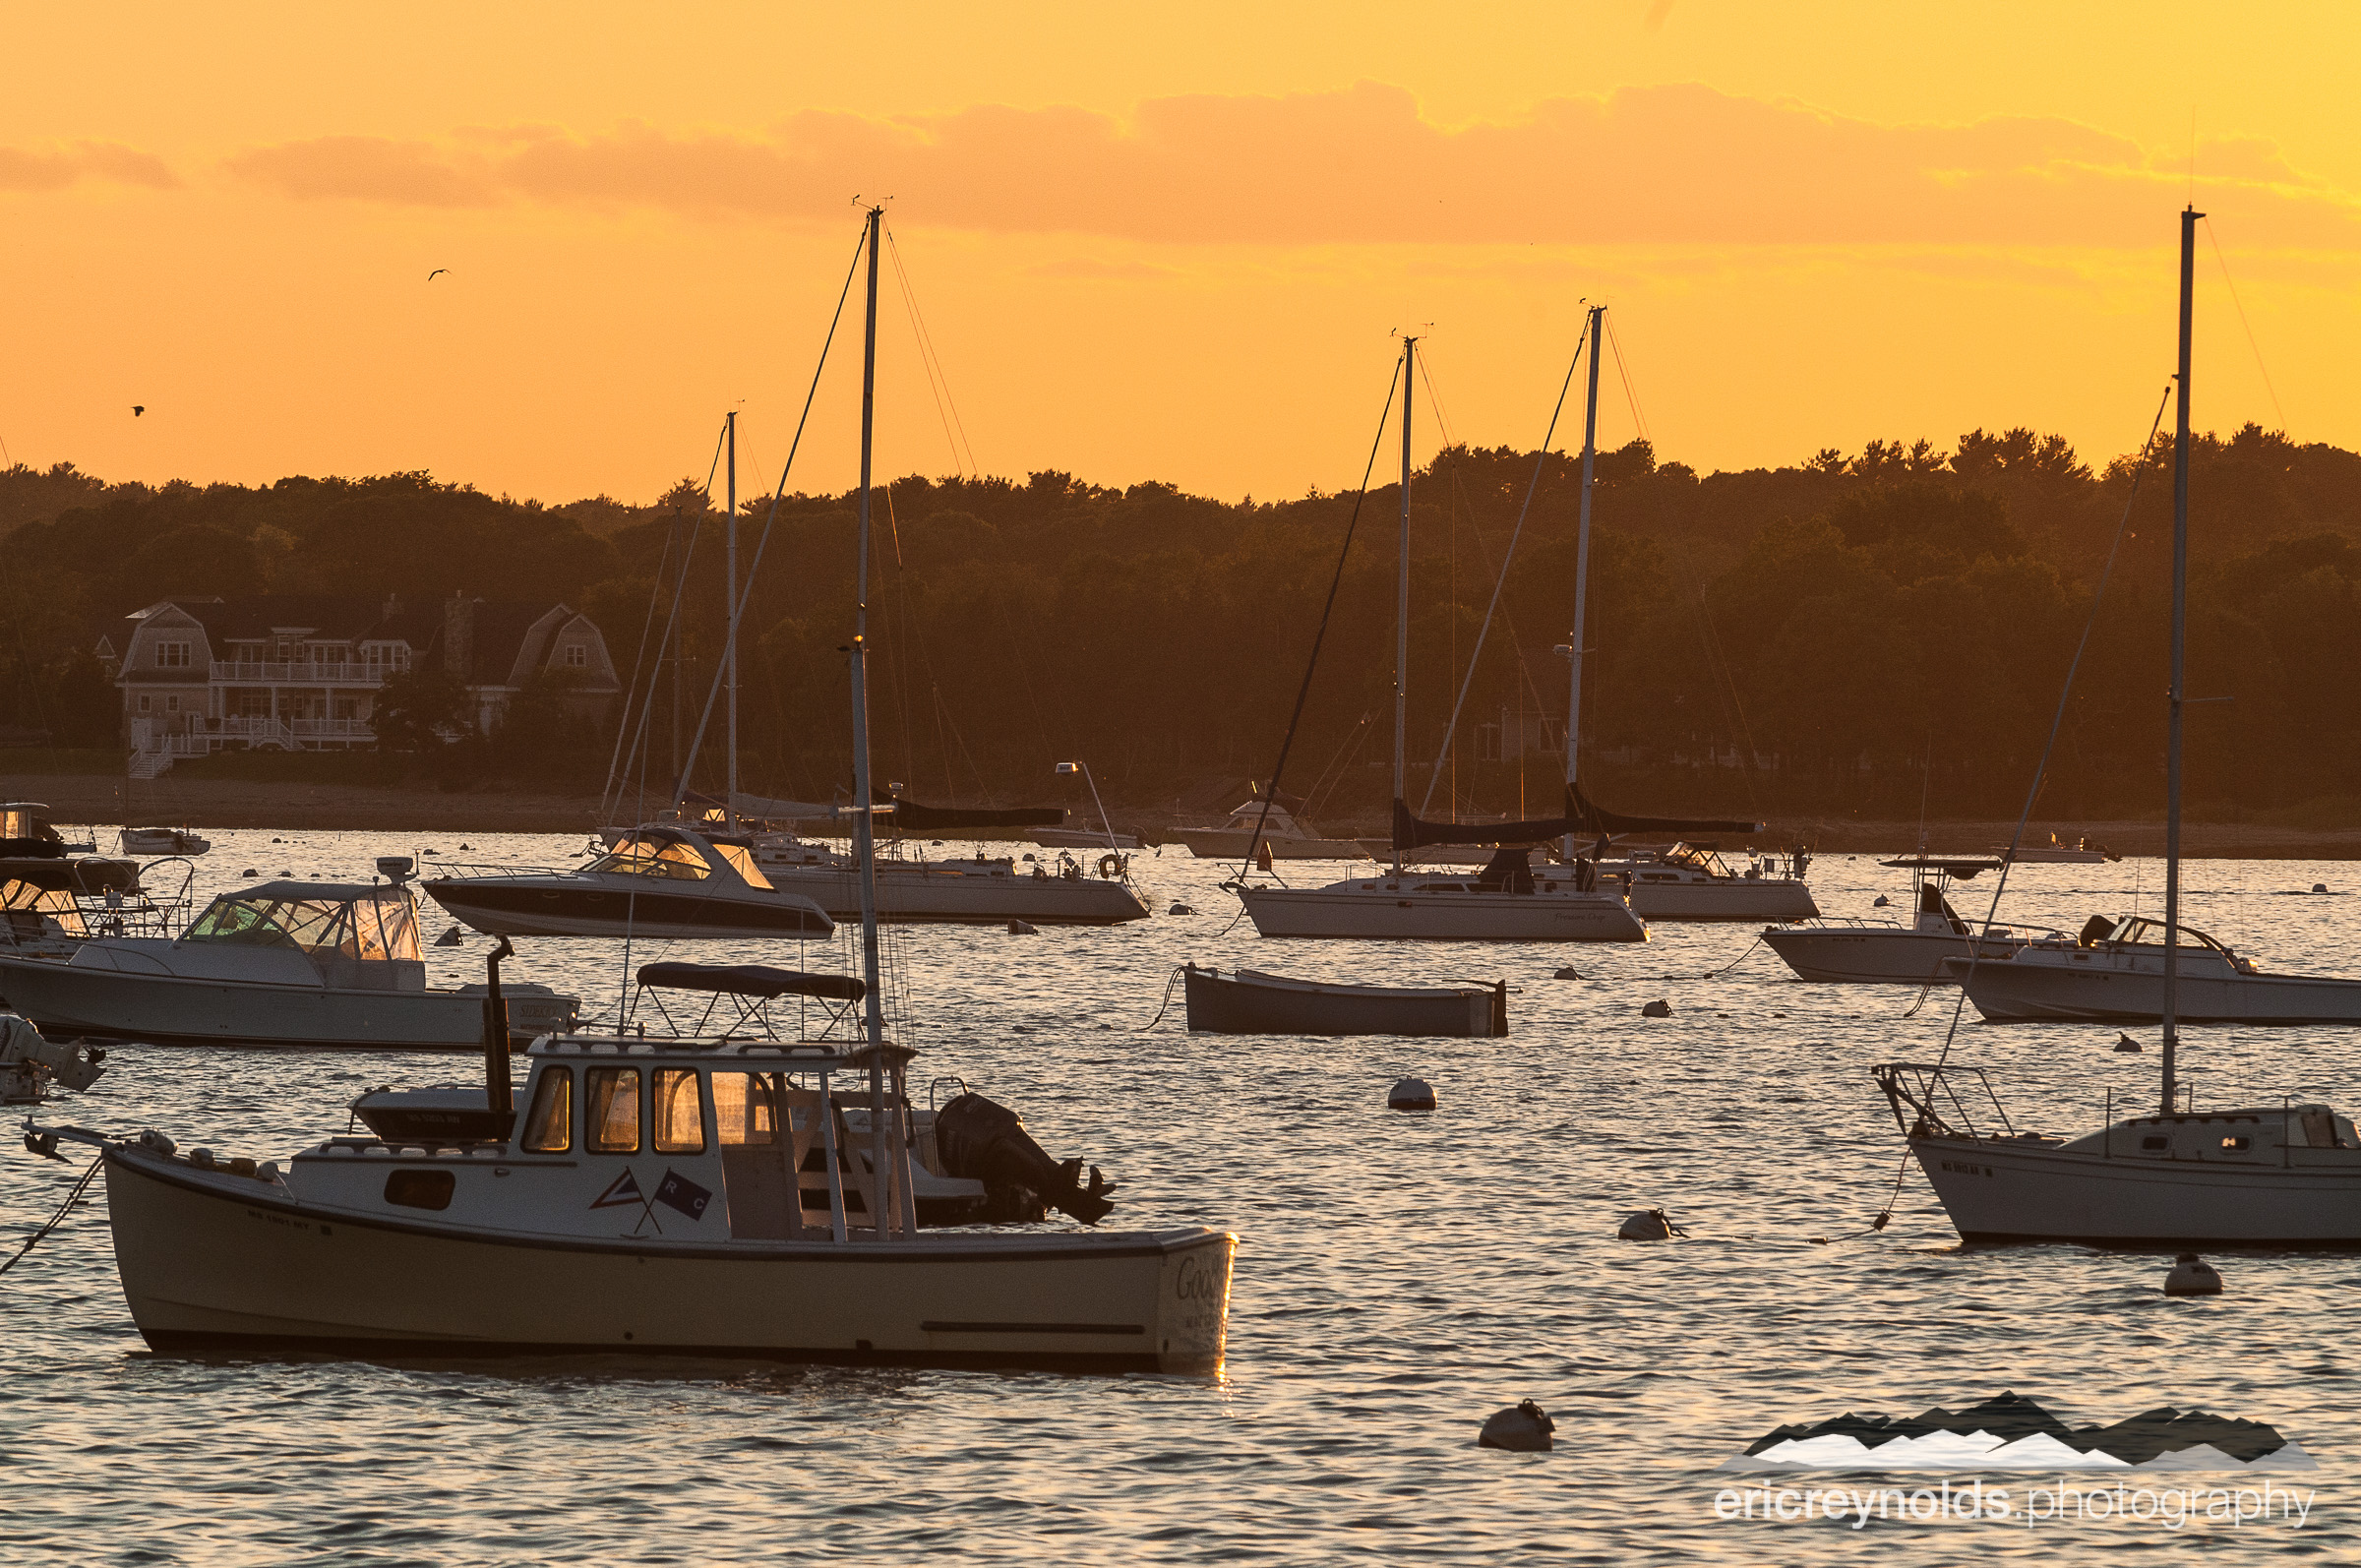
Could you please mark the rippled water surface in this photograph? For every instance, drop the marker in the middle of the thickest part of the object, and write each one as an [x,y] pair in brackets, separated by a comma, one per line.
[1399,1277]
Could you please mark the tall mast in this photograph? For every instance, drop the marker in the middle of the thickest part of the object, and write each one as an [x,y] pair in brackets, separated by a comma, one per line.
[1582,567]
[865,837]
[1410,364]
[2180,638]
[729,805]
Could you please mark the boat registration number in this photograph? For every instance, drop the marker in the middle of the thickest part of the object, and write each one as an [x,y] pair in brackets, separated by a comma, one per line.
[1961,1168]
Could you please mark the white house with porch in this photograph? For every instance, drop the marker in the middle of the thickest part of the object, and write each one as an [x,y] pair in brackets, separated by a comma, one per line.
[301,672]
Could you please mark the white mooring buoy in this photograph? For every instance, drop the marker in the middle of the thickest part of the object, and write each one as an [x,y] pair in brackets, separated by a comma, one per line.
[1180,909]
[2124,1041]
[1567,973]
[2192,1276]
[449,939]
[1409,1094]
[1522,1428]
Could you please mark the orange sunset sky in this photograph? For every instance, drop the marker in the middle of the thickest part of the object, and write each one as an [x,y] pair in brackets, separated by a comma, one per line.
[1151,242]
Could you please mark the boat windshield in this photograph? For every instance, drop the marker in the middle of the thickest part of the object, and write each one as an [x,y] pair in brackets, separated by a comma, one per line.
[647,857]
[2140,928]
[376,929]
[55,903]
[742,863]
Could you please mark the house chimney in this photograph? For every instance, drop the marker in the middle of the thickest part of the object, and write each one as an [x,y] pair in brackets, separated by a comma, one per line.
[458,635]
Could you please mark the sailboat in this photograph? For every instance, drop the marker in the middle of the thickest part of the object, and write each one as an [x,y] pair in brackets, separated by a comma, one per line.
[697,1196]
[2259,1175]
[1507,901]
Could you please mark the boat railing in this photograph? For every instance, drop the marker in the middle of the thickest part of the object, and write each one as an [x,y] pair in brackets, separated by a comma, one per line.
[1927,1101]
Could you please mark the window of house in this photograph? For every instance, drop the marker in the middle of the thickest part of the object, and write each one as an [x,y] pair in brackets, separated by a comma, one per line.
[549,1125]
[147,703]
[171,655]
[611,1111]
[577,656]
[171,704]
[680,1112]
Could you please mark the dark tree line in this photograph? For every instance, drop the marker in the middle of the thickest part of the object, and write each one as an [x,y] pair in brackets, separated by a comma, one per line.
[1833,638]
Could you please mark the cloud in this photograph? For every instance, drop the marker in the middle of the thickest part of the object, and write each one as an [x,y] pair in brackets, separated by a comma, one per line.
[67,163]
[1084,266]
[1674,164]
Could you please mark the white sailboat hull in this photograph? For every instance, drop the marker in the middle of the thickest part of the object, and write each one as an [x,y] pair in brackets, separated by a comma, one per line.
[1407,915]
[1214,843]
[1877,954]
[1723,898]
[939,893]
[214,1261]
[2040,985]
[2002,1191]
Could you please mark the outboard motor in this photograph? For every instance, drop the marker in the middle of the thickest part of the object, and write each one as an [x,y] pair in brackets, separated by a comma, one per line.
[988,1143]
[29,1064]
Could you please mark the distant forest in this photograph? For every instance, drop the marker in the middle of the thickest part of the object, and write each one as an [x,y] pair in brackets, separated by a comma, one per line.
[1842,637]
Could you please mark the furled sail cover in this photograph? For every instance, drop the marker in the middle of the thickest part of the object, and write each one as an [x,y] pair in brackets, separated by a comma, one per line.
[910,816]
[1588,819]
[1581,817]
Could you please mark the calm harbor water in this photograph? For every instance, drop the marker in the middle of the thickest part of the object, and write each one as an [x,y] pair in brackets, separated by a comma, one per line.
[1399,1277]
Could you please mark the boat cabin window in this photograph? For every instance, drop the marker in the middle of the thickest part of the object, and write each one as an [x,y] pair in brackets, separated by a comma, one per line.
[746,1107]
[549,1125]
[680,1112]
[611,1111]
[643,857]
[367,928]
[2155,1143]
[55,903]
[2233,1143]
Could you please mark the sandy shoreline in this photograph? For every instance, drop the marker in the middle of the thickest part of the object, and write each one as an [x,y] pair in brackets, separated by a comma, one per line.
[236,803]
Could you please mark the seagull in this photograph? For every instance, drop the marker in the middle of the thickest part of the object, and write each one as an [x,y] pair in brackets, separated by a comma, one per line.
[436,272]
[137,409]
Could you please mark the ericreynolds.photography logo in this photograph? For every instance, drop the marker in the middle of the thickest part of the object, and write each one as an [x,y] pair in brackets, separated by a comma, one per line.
[2134,1461]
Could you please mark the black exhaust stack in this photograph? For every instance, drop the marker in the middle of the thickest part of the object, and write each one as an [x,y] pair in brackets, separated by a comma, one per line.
[499,1096]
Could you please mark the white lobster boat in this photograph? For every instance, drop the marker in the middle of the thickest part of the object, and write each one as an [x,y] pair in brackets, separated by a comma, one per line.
[684,1197]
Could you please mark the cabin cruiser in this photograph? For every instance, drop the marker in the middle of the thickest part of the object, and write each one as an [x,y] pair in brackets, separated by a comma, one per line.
[981,889]
[1691,882]
[658,881]
[1289,836]
[47,907]
[318,965]
[164,841]
[1848,949]
[2114,970]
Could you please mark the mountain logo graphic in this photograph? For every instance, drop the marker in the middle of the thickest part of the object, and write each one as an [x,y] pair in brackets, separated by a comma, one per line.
[2007,1432]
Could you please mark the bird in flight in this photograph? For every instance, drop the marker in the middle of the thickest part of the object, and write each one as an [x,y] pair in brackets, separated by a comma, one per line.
[436,272]
[137,409]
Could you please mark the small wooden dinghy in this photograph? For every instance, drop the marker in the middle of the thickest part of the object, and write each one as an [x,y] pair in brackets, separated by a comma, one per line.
[1248,1003]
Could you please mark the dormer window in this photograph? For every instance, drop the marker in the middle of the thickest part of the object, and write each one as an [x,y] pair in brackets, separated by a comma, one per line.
[171,655]
[577,656]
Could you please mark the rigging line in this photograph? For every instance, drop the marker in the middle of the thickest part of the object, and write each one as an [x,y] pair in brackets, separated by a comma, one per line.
[927,340]
[898,628]
[747,589]
[640,750]
[2147,450]
[1531,485]
[1333,775]
[1639,419]
[622,724]
[621,758]
[1737,708]
[925,363]
[1442,420]
[1397,383]
[2224,262]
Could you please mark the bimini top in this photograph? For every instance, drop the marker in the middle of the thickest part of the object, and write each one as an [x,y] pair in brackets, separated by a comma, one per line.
[752,980]
[1960,866]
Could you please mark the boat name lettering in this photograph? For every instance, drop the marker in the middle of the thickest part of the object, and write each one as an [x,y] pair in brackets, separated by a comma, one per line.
[1195,1280]
[1967,1169]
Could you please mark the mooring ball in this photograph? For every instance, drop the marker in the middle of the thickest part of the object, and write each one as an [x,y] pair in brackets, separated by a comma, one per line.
[2320,887]
[1409,1094]
[1180,909]
[1648,1225]
[1883,902]
[1659,1008]
[1567,973]
[1522,1428]
[2125,1042]
[2192,1276]
[449,939]
[1021,927]
[249,871]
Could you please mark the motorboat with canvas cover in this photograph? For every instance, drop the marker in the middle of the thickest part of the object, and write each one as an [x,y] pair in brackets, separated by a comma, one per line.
[32,849]
[916,889]
[164,841]
[2255,1175]
[48,907]
[320,965]
[1848,949]
[1275,822]
[1246,1002]
[661,880]
[2113,971]
[1685,881]
[655,1195]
